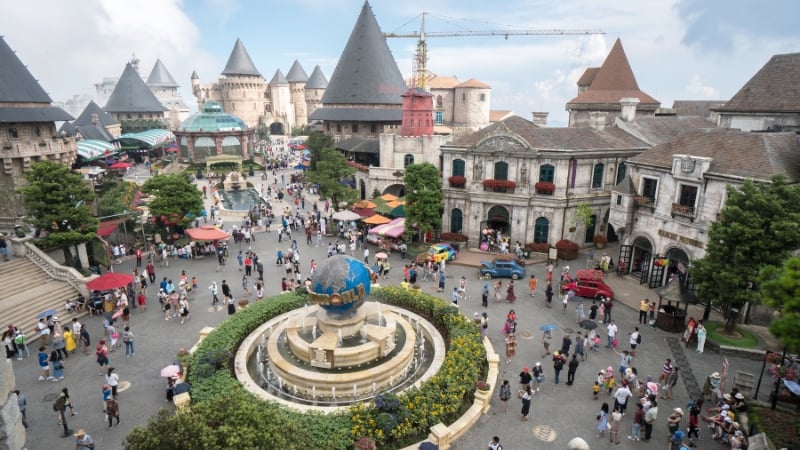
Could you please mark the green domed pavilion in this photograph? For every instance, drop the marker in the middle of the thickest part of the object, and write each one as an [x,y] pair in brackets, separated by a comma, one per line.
[213,132]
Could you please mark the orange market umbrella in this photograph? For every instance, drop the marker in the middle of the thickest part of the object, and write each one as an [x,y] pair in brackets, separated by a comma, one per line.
[207,233]
[365,204]
[388,197]
[377,219]
[393,203]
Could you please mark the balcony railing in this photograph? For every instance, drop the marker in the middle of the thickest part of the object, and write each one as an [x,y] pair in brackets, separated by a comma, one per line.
[682,210]
[642,201]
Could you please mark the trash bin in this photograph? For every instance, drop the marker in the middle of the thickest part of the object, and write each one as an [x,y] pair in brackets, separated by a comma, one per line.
[526,253]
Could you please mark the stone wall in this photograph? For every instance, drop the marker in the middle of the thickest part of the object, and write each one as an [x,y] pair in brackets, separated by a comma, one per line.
[12,433]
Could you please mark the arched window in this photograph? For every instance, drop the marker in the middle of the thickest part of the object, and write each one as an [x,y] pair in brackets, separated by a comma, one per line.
[408,160]
[541,230]
[547,173]
[456,220]
[439,100]
[597,176]
[501,170]
[458,167]
[37,132]
[622,170]
[12,133]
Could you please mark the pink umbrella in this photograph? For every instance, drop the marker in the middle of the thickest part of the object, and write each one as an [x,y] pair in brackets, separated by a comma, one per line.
[170,371]
[653,388]
[117,314]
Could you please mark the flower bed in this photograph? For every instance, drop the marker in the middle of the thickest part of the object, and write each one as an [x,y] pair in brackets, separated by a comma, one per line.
[499,184]
[538,247]
[453,237]
[567,249]
[442,398]
[457,181]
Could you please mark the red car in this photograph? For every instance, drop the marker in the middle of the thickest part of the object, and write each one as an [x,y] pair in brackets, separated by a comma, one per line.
[588,284]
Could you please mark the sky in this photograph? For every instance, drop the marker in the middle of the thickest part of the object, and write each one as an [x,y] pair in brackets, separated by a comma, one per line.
[678,49]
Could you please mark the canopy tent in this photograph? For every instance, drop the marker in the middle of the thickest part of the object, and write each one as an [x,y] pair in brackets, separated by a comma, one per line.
[120,165]
[364,204]
[207,233]
[399,211]
[346,215]
[383,208]
[302,165]
[109,280]
[364,212]
[393,229]
[104,229]
[394,203]
[377,219]
[388,197]
[153,138]
[92,149]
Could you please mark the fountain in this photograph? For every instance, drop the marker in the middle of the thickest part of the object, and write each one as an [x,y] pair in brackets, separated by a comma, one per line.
[349,347]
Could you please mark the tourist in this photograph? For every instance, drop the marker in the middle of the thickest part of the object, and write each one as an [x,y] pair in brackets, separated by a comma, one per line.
[538,377]
[58,365]
[666,369]
[634,340]
[571,369]
[644,306]
[44,364]
[558,364]
[701,336]
[231,305]
[674,420]
[614,424]
[498,286]
[112,379]
[526,402]
[511,297]
[532,285]
[636,426]
[505,395]
[547,337]
[525,378]
[494,444]
[127,339]
[669,384]
[611,329]
[621,396]
[649,419]
[548,295]
[112,410]
[83,441]
[511,347]
[85,339]
[101,351]
[602,420]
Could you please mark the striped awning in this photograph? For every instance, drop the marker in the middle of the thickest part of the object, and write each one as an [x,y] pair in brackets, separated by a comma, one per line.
[153,138]
[92,149]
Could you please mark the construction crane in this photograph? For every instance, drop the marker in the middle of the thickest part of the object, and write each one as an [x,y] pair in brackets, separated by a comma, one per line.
[420,64]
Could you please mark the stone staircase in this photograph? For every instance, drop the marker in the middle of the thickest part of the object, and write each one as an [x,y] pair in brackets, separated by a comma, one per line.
[28,290]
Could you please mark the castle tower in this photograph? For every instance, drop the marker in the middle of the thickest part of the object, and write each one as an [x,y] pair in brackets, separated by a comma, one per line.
[195,83]
[471,105]
[243,87]
[297,84]
[417,113]
[165,89]
[315,89]
[282,106]
[134,105]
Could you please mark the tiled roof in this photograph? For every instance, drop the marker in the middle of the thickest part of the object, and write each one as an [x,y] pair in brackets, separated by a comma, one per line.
[17,85]
[659,129]
[359,145]
[557,139]
[774,88]
[278,79]
[239,63]
[358,114]
[497,115]
[588,76]
[367,72]
[625,186]
[94,132]
[160,76]
[132,95]
[696,107]
[614,80]
[473,83]
[104,118]
[46,113]
[438,82]
[734,153]
[317,79]
[296,73]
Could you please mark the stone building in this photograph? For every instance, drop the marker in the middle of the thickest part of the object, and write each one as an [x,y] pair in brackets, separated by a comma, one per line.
[93,123]
[601,90]
[460,107]
[27,129]
[280,104]
[663,208]
[213,132]
[528,181]
[165,88]
[134,105]
[315,89]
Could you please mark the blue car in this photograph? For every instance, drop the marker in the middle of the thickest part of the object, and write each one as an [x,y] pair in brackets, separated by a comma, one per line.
[502,269]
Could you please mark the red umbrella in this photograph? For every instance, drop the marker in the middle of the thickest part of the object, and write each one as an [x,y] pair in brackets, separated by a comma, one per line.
[120,165]
[207,233]
[109,280]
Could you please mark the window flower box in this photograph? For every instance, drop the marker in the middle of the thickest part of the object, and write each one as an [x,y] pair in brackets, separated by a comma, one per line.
[457,181]
[494,185]
[682,210]
[642,201]
[545,187]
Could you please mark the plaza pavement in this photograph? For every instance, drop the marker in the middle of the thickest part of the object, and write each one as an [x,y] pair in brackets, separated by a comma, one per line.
[558,412]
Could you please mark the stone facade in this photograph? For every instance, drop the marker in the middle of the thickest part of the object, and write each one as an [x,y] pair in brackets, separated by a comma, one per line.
[12,432]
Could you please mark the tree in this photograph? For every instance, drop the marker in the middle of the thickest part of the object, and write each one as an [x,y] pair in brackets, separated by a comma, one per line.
[58,206]
[315,143]
[759,227]
[423,198]
[780,288]
[330,170]
[176,200]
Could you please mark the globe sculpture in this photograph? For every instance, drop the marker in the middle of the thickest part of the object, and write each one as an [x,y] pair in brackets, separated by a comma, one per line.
[340,285]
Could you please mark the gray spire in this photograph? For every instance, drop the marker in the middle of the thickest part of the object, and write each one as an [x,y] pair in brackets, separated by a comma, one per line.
[296,73]
[317,79]
[16,82]
[367,72]
[160,76]
[92,112]
[278,79]
[132,95]
[195,76]
[239,63]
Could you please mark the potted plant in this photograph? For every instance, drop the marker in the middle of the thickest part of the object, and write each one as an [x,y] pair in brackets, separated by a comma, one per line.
[567,249]
[457,181]
[545,187]
[600,241]
[538,247]
[482,386]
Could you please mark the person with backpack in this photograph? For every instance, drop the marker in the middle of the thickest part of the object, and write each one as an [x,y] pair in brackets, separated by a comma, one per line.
[494,444]
[127,339]
[558,364]
[635,339]
[505,395]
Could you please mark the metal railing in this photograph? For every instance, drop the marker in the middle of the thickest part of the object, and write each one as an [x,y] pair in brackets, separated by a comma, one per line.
[53,269]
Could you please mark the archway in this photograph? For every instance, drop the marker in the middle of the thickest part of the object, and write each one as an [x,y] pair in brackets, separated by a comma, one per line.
[456,220]
[678,264]
[590,229]
[498,219]
[641,257]
[541,230]
[231,146]
[204,147]
[398,190]
[276,128]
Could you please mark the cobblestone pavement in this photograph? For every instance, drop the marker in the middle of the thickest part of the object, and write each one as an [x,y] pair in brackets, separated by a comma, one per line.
[558,413]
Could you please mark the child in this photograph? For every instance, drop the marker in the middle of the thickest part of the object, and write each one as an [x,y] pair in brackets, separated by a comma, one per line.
[611,383]
[532,285]
[595,390]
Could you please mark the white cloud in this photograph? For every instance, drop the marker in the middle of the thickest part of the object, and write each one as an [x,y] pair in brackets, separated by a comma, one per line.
[698,88]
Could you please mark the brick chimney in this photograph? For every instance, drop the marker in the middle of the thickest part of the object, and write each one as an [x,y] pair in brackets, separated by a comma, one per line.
[540,119]
[628,112]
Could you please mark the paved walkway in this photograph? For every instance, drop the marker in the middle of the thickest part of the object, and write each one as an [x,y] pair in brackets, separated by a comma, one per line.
[558,413]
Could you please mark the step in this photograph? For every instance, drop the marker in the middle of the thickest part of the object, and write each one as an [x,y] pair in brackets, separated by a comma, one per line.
[19,275]
[24,306]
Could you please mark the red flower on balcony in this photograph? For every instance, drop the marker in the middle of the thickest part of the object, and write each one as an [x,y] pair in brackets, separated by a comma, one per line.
[501,184]
[545,187]
[457,181]
[359,167]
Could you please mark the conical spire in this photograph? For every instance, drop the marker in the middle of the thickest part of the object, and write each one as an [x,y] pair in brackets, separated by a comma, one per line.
[16,82]
[367,72]
[616,72]
[132,95]
[239,63]
[160,76]
[317,79]
[296,73]
[278,79]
